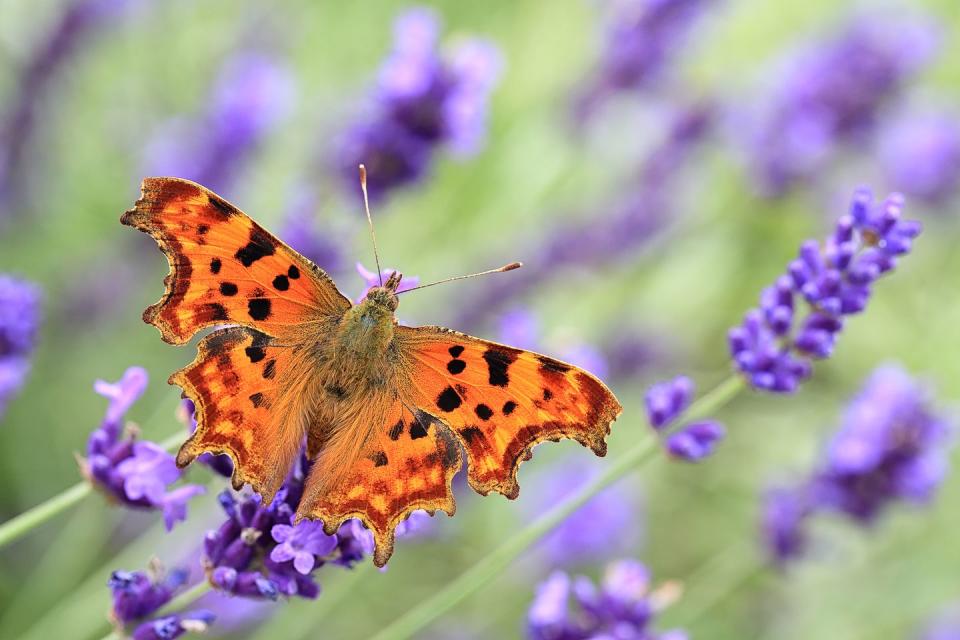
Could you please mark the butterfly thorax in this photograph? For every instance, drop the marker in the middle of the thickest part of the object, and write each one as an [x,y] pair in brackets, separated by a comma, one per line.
[366,330]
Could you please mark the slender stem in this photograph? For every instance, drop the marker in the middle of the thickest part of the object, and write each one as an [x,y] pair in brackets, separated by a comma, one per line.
[500,558]
[20,525]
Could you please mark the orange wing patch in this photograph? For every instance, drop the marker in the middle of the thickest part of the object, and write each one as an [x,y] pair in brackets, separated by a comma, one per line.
[224,267]
[407,463]
[502,401]
[249,405]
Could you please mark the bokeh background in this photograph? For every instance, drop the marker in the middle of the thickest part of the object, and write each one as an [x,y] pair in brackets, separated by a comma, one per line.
[655,164]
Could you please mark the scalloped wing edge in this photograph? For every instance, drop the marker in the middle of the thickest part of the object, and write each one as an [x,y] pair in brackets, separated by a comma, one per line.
[385,541]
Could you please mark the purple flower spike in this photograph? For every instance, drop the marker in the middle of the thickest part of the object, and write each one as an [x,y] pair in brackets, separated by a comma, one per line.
[136,595]
[832,95]
[422,101]
[174,626]
[695,441]
[134,473]
[785,513]
[667,400]
[642,38]
[921,155]
[775,345]
[301,543]
[19,321]
[621,607]
[891,447]
[259,553]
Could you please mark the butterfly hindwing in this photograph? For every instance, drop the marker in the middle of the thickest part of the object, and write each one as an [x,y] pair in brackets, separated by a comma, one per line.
[224,267]
[502,401]
[407,462]
[249,399]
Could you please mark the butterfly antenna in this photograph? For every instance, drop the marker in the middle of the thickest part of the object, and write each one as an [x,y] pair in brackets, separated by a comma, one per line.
[366,207]
[506,267]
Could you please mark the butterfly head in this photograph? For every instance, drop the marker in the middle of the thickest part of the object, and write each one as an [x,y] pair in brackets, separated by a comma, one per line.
[386,295]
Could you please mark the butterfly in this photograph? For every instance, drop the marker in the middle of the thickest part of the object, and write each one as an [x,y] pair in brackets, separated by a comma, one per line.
[387,410]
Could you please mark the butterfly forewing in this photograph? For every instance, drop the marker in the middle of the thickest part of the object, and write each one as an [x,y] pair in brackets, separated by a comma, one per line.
[225,268]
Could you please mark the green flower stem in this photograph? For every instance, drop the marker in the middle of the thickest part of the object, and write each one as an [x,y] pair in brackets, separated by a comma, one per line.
[20,525]
[178,603]
[503,556]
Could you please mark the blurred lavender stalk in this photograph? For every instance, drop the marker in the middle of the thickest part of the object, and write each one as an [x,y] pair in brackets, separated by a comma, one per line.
[19,322]
[921,156]
[600,240]
[641,40]
[72,29]
[252,94]
[621,606]
[831,95]
[250,97]
[891,447]
[422,101]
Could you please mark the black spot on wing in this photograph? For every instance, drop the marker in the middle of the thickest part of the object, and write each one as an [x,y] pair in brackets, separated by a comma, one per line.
[224,209]
[228,289]
[418,429]
[256,354]
[258,308]
[281,283]
[472,433]
[448,400]
[260,246]
[215,265]
[483,411]
[379,459]
[256,399]
[217,311]
[455,351]
[508,407]
[396,430]
[270,370]
[293,273]
[456,366]
[202,229]
[498,361]
[553,366]
[547,394]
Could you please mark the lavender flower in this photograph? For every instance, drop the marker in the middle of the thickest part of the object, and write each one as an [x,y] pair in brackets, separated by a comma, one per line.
[695,441]
[832,95]
[641,40]
[258,552]
[251,95]
[422,101]
[775,346]
[667,400]
[622,607]
[170,627]
[137,595]
[19,321]
[891,447]
[921,155]
[133,473]
[783,523]
[665,403]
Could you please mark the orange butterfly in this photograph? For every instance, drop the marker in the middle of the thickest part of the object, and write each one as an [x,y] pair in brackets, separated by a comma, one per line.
[385,408]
